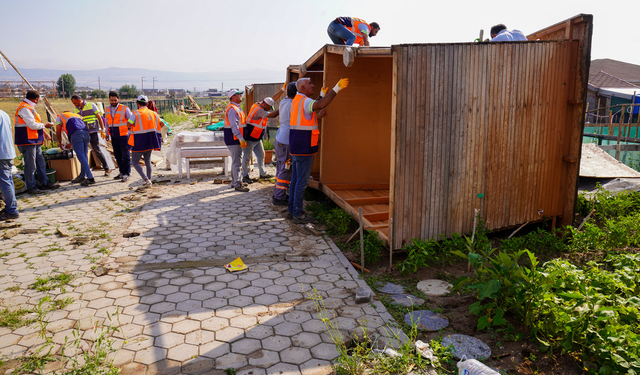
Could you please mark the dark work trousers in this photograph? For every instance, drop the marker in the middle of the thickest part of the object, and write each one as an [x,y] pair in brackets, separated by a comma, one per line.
[95,146]
[122,154]
[283,175]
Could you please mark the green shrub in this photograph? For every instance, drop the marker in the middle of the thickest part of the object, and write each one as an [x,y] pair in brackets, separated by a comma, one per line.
[372,246]
[538,241]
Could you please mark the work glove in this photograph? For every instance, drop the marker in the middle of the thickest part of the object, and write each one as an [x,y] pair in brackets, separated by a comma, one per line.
[104,136]
[243,144]
[342,84]
[323,92]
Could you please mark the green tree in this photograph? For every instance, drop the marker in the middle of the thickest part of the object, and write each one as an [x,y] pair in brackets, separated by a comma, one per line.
[98,94]
[128,91]
[66,85]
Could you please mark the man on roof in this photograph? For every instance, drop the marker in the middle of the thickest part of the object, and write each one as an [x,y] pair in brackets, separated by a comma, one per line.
[499,33]
[351,30]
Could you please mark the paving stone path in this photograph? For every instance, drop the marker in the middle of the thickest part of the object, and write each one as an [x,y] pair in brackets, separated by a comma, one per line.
[179,311]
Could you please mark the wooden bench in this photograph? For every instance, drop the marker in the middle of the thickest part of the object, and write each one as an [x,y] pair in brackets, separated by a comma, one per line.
[203,150]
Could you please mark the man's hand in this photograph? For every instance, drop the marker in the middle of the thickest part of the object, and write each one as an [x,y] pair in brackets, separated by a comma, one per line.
[342,84]
[47,137]
[243,144]
[48,125]
[67,146]
[322,113]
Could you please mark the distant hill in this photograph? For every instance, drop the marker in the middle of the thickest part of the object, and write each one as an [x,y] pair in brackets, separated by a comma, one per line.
[116,77]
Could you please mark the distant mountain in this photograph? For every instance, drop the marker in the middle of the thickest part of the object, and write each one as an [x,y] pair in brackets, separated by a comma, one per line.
[116,77]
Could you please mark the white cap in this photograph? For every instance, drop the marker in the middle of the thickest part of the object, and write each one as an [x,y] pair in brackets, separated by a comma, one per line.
[233,92]
[143,98]
[270,101]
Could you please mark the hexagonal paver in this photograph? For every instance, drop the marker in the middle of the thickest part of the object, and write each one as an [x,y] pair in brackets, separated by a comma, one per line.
[183,352]
[297,316]
[169,340]
[186,326]
[245,346]
[295,355]
[263,358]
[199,337]
[287,329]
[150,355]
[243,321]
[177,297]
[306,340]
[214,349]
[229,334]
[325,351]
[229,312]
[215,323]
[276,343]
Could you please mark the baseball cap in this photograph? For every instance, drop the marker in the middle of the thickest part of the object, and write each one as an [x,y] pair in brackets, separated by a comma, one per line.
[233,92]
[143,98]
[269,101]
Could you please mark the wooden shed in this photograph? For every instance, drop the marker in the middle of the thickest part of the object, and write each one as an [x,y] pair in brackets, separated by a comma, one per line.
[426,134]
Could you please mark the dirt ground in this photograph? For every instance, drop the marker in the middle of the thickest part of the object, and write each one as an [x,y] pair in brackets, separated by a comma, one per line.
[520,357]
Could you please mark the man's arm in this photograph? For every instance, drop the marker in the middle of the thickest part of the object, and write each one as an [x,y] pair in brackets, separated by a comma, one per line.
[325,101]
[59,134]
[365,38]
[273,114]
[28,118]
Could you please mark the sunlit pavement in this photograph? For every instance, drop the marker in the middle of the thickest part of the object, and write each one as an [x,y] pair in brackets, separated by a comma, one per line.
[179,310]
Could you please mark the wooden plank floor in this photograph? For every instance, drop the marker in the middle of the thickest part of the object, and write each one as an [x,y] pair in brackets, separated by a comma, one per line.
[373,199]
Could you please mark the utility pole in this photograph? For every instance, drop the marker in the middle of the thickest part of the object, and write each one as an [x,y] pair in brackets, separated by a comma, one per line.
[99,83]
[154,84]
[63,93]
[222,86]
[142,84]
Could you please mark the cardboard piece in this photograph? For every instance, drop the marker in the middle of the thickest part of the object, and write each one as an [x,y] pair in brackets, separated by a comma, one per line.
[66,169]
[236,265]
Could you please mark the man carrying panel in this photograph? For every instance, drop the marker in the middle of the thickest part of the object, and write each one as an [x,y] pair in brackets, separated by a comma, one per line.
[351,30]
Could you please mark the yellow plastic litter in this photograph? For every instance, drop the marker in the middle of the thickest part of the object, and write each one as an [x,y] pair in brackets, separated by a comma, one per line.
[236,265]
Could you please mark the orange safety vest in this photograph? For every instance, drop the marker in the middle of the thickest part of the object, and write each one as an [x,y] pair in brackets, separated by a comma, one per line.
[255,127]
[24,135]
[303,134]
[65,116]
[356,29]
[144,133]
[229,137]
[117,121]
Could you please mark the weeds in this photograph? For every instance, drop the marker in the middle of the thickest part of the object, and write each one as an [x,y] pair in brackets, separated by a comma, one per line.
[14,318]
[52,282]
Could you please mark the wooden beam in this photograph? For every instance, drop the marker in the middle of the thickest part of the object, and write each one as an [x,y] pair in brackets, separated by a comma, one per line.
[377,226]
[366,201]
[377,216]
[336,187]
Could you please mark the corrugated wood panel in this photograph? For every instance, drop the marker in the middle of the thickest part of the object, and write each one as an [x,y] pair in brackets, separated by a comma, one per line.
[477,126]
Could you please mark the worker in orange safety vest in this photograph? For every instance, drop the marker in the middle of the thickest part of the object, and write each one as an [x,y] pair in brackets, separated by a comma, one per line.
[145,136]
[259,115]
[304,137]
[234,125]
[352,30]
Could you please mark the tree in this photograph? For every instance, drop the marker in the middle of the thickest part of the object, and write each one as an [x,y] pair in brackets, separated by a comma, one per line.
[98,94]
[66,85]
[128,91]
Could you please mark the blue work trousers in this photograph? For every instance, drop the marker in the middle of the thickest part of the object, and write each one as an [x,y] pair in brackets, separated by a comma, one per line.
[339,34]
[301,166]
[80,142]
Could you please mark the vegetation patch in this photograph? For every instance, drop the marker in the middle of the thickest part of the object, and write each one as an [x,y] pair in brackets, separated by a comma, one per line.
[51,282]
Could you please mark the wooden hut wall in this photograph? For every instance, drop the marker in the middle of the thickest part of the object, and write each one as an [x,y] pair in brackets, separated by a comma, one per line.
[355,135]
[477,126]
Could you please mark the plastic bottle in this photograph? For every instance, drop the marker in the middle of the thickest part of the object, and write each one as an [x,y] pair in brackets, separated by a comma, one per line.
[474,367]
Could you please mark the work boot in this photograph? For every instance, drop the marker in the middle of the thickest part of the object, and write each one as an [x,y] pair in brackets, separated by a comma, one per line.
[34,190]
[87,182]
[289,215]
[279,202]
[125,178]
[265,176]
[77,180]
[5,216]
[241,188]
[247,180]
[118,177]
[303,219]
[107,172]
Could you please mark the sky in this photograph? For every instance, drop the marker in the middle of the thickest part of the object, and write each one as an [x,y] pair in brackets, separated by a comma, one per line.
[223,35]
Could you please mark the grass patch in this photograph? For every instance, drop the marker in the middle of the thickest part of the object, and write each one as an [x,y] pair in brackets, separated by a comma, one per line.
[50,249]
[14,288]
[13,319]
[53,281]
[19,243]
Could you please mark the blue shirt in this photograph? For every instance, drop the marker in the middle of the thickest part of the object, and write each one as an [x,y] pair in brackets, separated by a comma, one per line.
[509,36]
[74,124]
[282,136]
[7,151]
